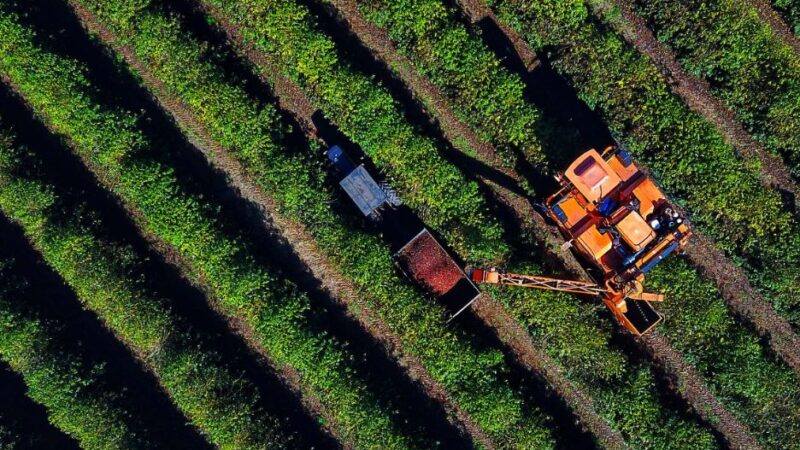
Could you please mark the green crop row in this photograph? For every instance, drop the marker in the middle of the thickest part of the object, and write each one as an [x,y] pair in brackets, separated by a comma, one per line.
[582,341]
[368,115]
[107,278]
[425,31]
[790,10]
[471,371]
[688,156]
[750,381]
[56,371]
[747,65]
[462,68]
[283,321]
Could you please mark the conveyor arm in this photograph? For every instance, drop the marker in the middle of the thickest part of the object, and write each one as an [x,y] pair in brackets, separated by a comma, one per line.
[492,276]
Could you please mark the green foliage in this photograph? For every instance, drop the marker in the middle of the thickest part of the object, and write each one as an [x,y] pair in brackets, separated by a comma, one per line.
[368,115]
[484,94]
[688,156]
[790,10]
[108,279]
[750,380]
[472,372]
[748,66]
[58,374]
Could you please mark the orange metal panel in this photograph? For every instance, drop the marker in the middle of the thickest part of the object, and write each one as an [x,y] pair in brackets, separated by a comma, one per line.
[635,231]
[573,210]
[625,173]
[649,196]
[592,176]
[594,243]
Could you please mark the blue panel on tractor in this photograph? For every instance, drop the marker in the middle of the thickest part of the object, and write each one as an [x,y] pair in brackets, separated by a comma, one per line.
[340,160]
[559,213]
[664,253]
[625,157]
[364,191]
[607,206]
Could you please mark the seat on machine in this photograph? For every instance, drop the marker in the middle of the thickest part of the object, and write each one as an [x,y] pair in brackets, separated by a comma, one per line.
[649,196]
[569,211]
[636,232]
[592,176]
[597,244]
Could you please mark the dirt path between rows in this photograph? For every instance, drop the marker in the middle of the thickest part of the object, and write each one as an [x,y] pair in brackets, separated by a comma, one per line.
[779,26]
[697,94]
[700,397]
[477,10]
[337,286]
[690,384]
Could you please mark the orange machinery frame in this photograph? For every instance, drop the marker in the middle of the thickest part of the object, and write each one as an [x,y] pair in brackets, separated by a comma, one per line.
[618,219]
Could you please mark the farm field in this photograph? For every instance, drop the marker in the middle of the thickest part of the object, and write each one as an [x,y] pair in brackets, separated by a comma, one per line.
[182,268]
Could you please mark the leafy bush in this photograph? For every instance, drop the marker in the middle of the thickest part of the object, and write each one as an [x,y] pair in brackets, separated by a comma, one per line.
[751,381]
[58,374]
[107,278]
[484,94]
[747,65]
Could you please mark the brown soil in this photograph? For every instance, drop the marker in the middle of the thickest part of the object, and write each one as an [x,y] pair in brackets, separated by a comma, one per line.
[779,27]
[733,285]
[696,93]
[338,287]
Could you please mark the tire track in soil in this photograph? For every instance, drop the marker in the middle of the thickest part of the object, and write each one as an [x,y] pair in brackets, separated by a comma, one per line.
[702,400]
[733,282]
[336,286]
[493,313]
[768,14]
[697,94]
[236,325]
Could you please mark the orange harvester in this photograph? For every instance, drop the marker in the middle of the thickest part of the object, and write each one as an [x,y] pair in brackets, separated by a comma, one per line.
[617,219]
